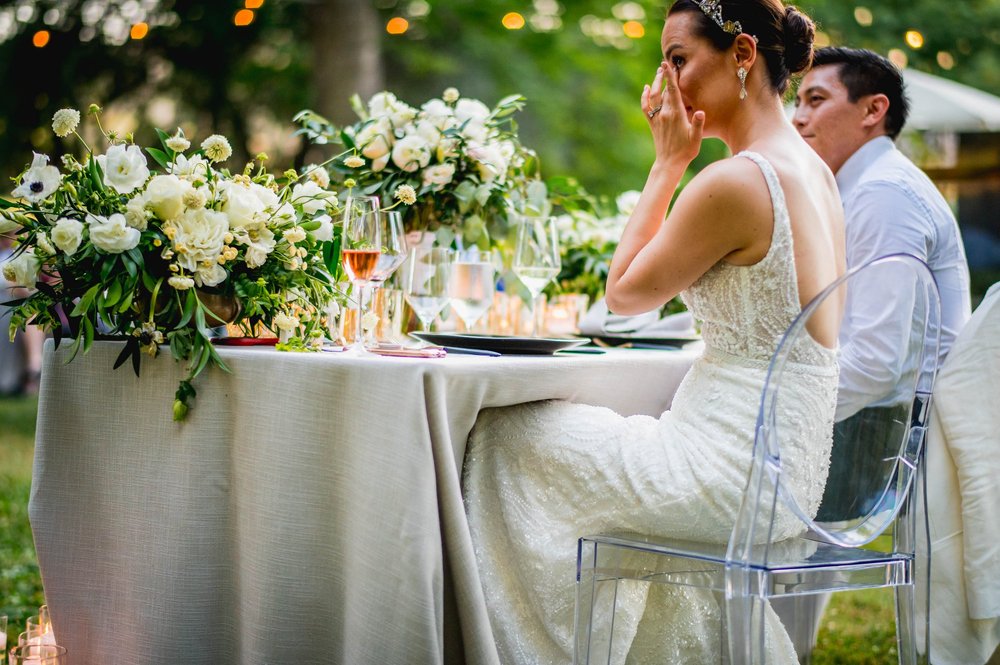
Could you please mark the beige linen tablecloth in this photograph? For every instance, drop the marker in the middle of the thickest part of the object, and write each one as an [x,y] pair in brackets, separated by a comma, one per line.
[308,511]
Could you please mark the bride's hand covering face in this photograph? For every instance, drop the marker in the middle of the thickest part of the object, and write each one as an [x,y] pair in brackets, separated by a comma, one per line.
[677,131]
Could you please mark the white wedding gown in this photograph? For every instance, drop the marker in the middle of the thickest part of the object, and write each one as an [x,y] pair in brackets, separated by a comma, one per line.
[538,476]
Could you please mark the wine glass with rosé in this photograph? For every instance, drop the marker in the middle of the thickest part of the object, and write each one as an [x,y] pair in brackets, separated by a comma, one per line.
[361,246]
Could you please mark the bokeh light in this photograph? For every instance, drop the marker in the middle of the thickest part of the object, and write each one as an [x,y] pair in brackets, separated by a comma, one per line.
[243,17]
[397,25]
[898,58]
[914,39]
[253,4]
[633,29]
[945,60]
[512,21]
[863,16]
[139,30]
[40,38]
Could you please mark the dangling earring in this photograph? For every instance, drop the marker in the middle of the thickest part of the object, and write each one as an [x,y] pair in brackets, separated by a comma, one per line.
[741,74]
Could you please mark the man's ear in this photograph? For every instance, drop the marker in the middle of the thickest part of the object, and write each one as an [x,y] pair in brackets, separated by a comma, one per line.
[745,50]
[876,106]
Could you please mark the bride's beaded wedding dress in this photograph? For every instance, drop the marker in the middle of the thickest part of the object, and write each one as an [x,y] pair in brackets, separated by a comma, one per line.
[538,476]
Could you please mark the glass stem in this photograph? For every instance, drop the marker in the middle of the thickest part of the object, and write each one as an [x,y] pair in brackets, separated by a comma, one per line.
[534,316]
[359,339]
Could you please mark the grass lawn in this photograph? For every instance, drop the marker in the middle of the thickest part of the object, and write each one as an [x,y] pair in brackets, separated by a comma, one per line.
[857,627]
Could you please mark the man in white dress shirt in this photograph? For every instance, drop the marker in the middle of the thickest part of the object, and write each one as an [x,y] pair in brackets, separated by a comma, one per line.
[850,107]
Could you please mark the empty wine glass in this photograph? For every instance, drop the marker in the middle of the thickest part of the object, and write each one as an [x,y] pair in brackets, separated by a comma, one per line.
[536,258]
[425,282]
[360,250]
[473,279]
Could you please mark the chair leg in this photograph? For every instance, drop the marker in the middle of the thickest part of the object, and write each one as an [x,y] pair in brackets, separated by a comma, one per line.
[595,619]
[906,627]
[745,622]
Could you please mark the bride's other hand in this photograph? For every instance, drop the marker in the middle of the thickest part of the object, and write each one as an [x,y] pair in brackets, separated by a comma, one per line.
[676,138]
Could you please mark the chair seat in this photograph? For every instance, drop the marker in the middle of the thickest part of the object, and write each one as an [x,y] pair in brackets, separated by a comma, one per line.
[795,566]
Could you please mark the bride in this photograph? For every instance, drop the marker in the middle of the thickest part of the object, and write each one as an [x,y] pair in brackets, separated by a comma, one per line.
[748,242]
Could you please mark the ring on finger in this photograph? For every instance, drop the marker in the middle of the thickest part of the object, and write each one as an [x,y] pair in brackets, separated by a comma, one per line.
[654,111]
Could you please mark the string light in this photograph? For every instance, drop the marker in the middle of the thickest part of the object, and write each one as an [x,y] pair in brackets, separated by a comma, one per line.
[914,39]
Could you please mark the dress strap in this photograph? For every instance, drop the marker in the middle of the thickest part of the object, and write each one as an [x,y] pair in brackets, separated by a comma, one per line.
[778,204]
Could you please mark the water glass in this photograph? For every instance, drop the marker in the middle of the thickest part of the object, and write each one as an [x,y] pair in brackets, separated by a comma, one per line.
[38,654]
[472,283]
[426,276]
[536,258]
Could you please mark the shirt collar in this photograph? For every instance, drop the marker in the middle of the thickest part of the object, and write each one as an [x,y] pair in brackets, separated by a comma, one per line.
[850,173]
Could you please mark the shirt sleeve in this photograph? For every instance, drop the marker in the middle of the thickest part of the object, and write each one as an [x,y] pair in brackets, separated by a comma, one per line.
[882,218]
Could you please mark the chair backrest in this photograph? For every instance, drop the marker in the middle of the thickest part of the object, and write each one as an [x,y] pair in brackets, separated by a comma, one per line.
[881,442]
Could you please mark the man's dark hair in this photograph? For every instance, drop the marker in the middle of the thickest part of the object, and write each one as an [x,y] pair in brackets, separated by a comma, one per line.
[865,72]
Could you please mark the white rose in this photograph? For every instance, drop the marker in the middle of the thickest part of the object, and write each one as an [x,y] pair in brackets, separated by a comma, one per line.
[490,160]
[67,234]
[136,214]
[112,234]
[311,197]
[375,139]
[439,175]
[165,196]
[381,103]
[475,131]
[210,275]
[411,153]
[22,270]
[266,196]
[242,206]
[124,167]
[325,231]
[438,114]
[471,109]
[201,233]
[294,234]
[285,214]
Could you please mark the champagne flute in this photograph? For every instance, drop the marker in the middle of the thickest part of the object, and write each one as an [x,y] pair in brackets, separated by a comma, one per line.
[425,282]
[473,280]
[360,249]
[536,259]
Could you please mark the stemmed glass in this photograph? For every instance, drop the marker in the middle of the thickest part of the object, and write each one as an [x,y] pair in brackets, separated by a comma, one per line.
[536,259]
[393,249]
[360,250]
[425,282]
[473,279]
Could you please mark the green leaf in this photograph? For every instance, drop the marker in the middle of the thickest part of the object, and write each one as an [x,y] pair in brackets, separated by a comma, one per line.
[113,294]
[190,305]
[96,174]
[85,302]
[161,157]
[163,137]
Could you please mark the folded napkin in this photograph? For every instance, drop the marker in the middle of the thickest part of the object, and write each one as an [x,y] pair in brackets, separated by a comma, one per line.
[599,321]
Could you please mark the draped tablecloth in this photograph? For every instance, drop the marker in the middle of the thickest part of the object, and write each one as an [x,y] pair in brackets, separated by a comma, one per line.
[308,511]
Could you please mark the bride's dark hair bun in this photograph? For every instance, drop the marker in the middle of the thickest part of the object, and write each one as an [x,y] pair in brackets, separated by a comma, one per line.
[799,32]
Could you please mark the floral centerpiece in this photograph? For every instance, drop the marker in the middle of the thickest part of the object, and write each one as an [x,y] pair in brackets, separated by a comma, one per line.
[462,158]
[163,255]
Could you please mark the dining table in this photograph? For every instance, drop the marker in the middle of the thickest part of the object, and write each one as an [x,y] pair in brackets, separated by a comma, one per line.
[308,510]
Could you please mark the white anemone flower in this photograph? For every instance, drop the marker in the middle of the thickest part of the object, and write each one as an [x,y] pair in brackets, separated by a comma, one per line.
[40,180]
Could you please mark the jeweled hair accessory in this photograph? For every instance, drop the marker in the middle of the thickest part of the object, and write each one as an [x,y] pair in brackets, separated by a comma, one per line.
[713,10]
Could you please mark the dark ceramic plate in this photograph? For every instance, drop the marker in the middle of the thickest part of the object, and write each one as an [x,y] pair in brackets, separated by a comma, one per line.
[502,343]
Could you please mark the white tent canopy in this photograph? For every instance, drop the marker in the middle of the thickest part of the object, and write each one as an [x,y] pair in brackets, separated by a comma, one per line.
[941,105]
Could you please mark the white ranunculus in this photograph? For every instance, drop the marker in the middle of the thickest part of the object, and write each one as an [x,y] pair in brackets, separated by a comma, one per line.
[112,234]
[294,234]
[317,174]
[311,197]
[22,270]
[325,231]
[201,233]
[124,167]
[439,114]
[67,234]
[475,131]
[626,201]
[180,282]
[375,139]
[39,181]
[380,163]
[411,153]
[471,109]
[439,175]
[164,196]
[242,206]
[210,275]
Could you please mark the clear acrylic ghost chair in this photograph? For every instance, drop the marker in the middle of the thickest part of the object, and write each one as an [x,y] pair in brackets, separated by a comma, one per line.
[755,565]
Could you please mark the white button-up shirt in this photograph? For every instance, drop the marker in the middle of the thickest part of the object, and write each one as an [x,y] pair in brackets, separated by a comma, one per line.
[891,206]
